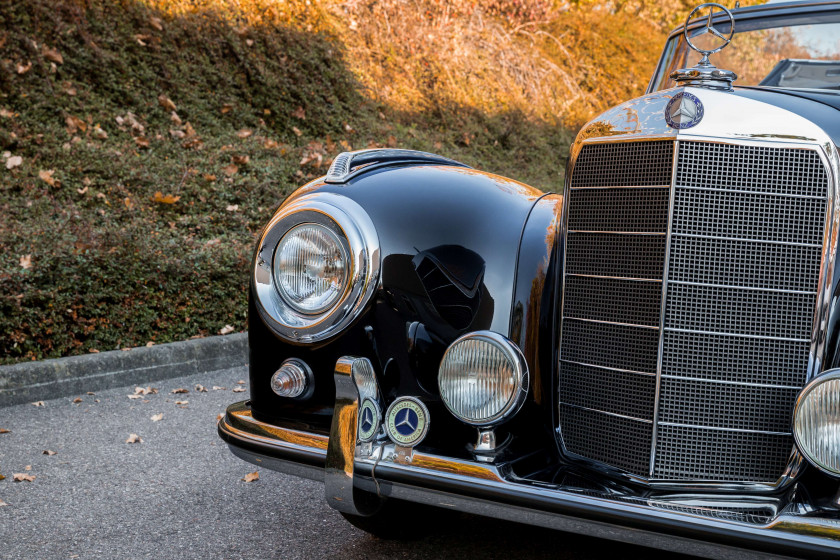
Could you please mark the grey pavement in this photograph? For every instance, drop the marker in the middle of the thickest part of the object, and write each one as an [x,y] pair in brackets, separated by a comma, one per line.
[179,493]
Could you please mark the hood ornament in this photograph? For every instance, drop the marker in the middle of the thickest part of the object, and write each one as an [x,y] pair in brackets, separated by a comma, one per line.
[705,74]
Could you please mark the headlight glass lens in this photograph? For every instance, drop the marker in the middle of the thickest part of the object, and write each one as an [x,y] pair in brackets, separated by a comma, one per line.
[479,381]
[816,423]
[310,268]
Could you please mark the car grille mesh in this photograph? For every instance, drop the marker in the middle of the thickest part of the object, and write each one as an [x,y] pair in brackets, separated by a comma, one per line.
[743,262]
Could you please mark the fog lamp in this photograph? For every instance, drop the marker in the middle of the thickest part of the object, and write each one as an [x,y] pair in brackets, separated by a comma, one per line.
[816,422]
[293,380]
[310,268]
[483,378]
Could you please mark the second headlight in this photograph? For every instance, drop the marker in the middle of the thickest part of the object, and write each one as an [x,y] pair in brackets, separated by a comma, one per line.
[483,378]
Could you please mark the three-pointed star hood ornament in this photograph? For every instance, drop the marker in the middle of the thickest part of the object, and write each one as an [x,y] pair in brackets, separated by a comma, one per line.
[719,24]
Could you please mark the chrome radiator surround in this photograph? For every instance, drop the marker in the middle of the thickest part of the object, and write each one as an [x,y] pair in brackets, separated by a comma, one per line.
[760,127]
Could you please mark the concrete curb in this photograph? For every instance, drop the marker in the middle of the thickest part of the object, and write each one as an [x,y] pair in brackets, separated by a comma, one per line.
[49,379]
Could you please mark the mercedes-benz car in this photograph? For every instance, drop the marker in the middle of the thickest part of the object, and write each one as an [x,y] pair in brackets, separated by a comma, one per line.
[650,355]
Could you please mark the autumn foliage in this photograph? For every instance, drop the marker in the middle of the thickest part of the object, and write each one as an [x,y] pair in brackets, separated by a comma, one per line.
[144,143]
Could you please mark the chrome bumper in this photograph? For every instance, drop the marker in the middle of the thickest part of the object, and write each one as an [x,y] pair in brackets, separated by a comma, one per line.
[358,477]
[482,489]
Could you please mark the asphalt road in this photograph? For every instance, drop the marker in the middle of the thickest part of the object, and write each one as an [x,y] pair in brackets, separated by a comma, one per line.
[180,494]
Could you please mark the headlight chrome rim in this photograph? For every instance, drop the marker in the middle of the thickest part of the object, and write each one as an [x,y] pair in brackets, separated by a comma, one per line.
[828,376]
[351,224]
[521,374]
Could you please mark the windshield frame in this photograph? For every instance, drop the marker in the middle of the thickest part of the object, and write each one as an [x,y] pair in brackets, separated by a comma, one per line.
[746,19]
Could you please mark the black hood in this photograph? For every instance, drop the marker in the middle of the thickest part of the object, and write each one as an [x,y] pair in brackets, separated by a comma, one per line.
[821,107]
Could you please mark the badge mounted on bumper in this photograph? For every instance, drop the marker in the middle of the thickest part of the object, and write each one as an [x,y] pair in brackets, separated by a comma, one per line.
[407,421]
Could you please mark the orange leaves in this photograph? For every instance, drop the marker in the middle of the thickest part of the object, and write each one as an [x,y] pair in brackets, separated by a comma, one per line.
[227,329]
[74,124]
[166,103]
[134,438]
[160,198]
[26,264]
[52,55]
[245,133]
[157,417]
[299,113]
[250,477]
[47,177]
[23,477]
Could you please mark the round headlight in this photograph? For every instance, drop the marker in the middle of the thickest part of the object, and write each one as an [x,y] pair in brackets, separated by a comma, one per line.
[816,422]
[310,268]
[316,267]
[483,378]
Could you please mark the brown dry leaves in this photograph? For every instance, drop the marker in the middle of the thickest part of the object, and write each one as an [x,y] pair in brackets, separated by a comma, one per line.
[227,329]
[23,477]
[161,198]
[38,403]
[157,417]
[134,438]
[166,103]
[239,389]
[4,431]
[198,389]
[46,175]
[48,452]
[250,477]
[26,262]
[13,161]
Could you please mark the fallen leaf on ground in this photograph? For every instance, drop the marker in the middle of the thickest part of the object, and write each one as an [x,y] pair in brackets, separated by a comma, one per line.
[157,417]
[244,133]
[48,452]
[142,142]
[226,108]
[94,350]
[145,391]
[219,416]
[209,178]
[82,191]
[217,388]
[230,170]
[46,175]
[250,477]
[227,329]
[150,344]
[198,389]
[4,431]
[77,400]
[239,389]
[134,438]
[22,68]
[299,113]
[5,113]
[26,262]
[241,160]
[74,124]
[38,403]
[27,468]
[91,393]
[297,131]
[53,55]
[69,88]
[241,382]
[135,396]
[165,199]
[13,162]
[182,402]
[232,208]
[166,103]
[180,390]
[156,22]
[2,503]
[99,134]
[23,477]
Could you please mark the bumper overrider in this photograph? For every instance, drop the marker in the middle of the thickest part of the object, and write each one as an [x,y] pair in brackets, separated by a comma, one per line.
[359,476]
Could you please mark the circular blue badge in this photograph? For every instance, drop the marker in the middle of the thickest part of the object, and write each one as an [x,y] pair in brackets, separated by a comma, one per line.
[684,110]
[407,421]
[369,420]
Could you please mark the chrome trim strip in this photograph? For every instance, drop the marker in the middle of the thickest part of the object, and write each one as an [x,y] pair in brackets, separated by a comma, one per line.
[762,193]
[768,241]
[754,288]
[620,187]
[616,232]
[643,420]
[615,277]
[728,382]
[674,329]
[660,351]
[611,323]
[722,429]
[606,367]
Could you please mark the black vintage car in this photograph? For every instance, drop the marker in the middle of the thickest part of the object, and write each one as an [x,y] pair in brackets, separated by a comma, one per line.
[652,356]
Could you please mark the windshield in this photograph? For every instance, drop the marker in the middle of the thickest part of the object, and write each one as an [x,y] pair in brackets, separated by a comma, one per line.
[789,52]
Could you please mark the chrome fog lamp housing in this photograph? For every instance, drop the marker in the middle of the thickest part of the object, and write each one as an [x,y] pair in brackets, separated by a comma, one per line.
[816,422]
[483,378]
[316,267]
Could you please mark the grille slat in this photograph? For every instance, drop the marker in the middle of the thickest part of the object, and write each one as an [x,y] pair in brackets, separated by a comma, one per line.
[744,257]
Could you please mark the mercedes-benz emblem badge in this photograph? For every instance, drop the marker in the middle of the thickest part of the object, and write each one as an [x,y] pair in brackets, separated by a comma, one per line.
[369,419]
[684,110]
[407,421]
[710,28]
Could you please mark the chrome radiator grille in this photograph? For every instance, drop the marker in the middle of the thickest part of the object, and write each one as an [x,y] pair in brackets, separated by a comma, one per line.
[689,371]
